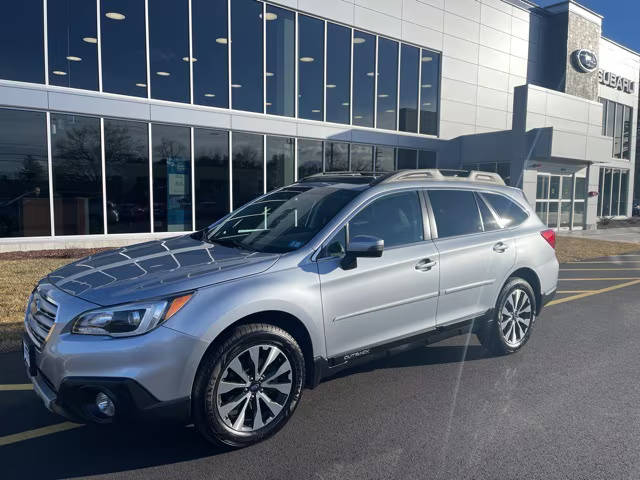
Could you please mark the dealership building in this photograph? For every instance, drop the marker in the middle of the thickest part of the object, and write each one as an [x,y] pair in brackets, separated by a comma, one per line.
[123,120]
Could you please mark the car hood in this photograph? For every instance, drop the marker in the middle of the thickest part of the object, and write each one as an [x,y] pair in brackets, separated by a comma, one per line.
[157,268]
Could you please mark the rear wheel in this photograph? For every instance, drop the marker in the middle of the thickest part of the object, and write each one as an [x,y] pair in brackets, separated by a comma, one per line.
[513,318]
[247,389]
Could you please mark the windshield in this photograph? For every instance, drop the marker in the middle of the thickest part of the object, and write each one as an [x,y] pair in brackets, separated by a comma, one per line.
[284,220]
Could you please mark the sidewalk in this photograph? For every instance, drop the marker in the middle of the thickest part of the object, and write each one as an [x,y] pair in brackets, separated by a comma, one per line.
[624,234]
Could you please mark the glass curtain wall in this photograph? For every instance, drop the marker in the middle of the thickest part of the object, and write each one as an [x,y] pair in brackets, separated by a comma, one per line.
[310,68]
[338,73]
[247,87]
[336,157]
[210,51]
[248,167]
[361,158]
[409,72]
[430,72]
[387,112]
[211,149]
[123,44]
[171,178]
[280,161]
[24,177]
[364,72]
[23,59]
[385,159]
[310,157]
[73,62]
[613,192]
[281,57]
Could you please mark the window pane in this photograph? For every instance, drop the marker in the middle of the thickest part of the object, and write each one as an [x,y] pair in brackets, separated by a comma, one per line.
[504,170]
[606,193]
[211,149]
[77,174]
[455,212]
[22,55]
[310,67]
[565,214]
[615,193]
[626,132]
[336,157]
[624,192]
[387,83]
[362,158]
[510,213]
[24,179]
[540,186]
[210,49]
[604,115]
[248,172]
[169,49]
[385,159]
[567,185]
[489,220]
[309,157]
[426,159]
[279,162]
[430,79]
[409,64]
[123,42]
[581,188]
[171,178]
[246,56]
[554,188]
[617,138]
[553,215]
[541,211]
[73,62]
[281,57]
[578,214]
[364,67]
[337,246]
[611,113]
[338,73]
[126,149]
[396,219]
[406,158]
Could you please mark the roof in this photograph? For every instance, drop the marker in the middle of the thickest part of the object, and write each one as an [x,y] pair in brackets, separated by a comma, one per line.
[375,178]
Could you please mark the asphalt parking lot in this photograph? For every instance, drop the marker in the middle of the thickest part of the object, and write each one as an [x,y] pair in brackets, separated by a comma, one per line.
[566,406]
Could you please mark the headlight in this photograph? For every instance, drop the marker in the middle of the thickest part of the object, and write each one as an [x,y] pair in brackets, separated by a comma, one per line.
[128,320]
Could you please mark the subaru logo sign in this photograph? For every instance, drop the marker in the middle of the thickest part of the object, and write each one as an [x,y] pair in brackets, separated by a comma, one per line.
[585,60]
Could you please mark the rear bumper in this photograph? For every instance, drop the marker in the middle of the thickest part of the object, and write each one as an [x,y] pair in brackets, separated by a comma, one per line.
[546,298]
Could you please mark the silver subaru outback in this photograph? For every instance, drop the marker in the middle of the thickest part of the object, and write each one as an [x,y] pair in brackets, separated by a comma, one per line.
[223,328]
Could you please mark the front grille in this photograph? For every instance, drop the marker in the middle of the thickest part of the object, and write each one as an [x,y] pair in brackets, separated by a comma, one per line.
[40,316]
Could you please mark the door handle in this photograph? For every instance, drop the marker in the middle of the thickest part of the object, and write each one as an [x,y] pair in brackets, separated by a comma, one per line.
[425,265]
[500,247]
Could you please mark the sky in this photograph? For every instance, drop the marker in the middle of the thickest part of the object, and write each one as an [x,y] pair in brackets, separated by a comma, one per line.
[620,22]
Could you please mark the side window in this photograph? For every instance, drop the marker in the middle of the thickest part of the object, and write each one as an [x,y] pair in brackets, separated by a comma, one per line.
[337,246]
[488,218]
[396,218]
[509,212]
[455,212]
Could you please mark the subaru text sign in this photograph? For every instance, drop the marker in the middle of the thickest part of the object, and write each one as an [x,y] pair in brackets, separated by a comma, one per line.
[585,60]
[616,81]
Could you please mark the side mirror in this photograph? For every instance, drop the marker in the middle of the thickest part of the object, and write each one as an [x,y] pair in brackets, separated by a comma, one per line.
[362,246]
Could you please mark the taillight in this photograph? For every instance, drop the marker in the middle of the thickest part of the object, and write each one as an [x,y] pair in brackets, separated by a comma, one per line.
[550,237]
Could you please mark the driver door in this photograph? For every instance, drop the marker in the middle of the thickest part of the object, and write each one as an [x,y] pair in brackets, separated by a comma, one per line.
[386,298]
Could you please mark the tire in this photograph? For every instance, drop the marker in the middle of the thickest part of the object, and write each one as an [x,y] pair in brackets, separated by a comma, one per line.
[507,331]
[231,405]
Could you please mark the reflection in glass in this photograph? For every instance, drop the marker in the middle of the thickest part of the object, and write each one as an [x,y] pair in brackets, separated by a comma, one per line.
[364,67]
[430,75]
[24,185]
[578,214]
[407,158]
[126,149]
[541,211]
[169,49]
[552,220]
[387,83]
[581,188]
[280,162]
[248,171]
[567,186]
[338,73]
[23,59]
[565,214]
[210,49]
[626,132]
[281,57]
[211,148]
[309,157]
[606,194]
[361,158]
[542,187]
[310,67]
[385,159]
[426,159]
[615,193]
[73,62]
[336,157]
[624,192]
[171,178]
[611,114]
[554,187]
[77,174]
[409,65]
[123,44]
[617,137]
[246,56]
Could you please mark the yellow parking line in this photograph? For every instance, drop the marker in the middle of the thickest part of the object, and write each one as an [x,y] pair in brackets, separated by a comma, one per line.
[16,387]
[595,292]
[576,291]
[38,432]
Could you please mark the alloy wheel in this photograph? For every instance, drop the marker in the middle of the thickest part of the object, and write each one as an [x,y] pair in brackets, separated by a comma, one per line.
[516,317]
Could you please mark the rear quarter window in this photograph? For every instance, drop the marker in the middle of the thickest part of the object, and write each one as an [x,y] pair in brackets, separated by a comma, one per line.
[455,211]
[509,212]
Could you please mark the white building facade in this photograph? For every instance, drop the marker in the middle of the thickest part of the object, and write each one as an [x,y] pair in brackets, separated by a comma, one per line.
[122,120]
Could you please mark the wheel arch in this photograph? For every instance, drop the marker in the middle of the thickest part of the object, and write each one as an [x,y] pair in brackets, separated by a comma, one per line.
[532,278]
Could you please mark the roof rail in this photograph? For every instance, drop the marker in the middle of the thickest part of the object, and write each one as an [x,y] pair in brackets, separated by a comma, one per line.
[452,175]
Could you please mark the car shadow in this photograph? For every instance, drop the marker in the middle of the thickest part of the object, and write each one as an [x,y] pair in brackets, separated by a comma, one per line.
[94,450]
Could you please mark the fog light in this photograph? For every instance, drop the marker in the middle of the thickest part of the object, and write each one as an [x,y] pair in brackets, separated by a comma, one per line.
[105,405]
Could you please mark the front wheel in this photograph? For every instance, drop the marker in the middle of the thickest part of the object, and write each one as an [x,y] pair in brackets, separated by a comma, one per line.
[248,387]
[510,327]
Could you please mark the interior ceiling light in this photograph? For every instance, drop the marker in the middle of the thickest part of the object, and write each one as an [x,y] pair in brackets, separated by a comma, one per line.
[331,85]
[210,95]
[143,85]
[426,85]
[269,16]
[71,58]
[426,104]
[358,40]
[59,72]
[427,59]
[222,40]
[90,40]
[315,111]
[236,85]
[269,74]
[114,16]
[391,110]
[163,74]
[383,95]
[357,117]
[370,74]
[268,104]
[345,104]
[307,59]
[186,59]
